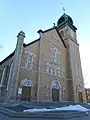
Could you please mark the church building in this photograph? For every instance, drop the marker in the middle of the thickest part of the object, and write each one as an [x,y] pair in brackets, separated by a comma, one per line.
[47,69]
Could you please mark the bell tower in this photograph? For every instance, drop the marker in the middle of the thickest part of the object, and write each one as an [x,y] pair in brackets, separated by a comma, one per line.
[75,82]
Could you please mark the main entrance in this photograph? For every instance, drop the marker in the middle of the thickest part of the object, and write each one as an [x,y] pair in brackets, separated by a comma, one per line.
[79,93]
[26,93]
[55,94]
[26,89]
[80,96]
[55,90]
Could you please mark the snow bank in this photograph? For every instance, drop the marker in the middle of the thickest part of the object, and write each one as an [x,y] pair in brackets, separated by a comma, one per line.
[73,107]
[70,107]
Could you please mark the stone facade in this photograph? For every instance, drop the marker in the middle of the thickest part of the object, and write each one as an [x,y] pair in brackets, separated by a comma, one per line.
[49,68]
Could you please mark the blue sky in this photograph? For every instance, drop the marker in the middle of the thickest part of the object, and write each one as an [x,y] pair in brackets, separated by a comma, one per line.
[32,15]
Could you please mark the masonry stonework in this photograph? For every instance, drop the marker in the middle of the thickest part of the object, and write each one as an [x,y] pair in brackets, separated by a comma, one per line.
[48,68]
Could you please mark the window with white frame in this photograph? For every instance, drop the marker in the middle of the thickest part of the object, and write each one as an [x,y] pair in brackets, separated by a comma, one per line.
[54,71]
[51,69]
[54,55]
[61,72]
[58,72]
[26,59]
[58,58]
[47,67]
[2,78]
[10,74]
[29,60]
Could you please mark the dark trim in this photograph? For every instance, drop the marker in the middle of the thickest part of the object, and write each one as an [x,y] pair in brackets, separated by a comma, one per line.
[48,30]
[67,23]
[12,54]
[25,45]
[60,37]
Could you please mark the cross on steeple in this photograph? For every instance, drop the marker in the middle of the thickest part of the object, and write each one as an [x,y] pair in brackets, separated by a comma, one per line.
[63,10]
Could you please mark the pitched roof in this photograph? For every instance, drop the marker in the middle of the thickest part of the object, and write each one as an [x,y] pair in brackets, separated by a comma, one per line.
[12,54]
[25,45]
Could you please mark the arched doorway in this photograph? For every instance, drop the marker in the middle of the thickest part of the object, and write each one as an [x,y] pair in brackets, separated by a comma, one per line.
[79,93]
[55,90]
[26,89]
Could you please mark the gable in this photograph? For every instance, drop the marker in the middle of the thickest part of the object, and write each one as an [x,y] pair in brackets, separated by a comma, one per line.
[54,35]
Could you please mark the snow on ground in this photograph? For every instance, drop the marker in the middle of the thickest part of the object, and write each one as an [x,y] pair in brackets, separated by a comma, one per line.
[88,103]
[70,107]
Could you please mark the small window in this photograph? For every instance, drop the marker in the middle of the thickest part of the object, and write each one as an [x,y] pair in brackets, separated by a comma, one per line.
[47,68]
[58,58]
[26,59]
[54,55]
[61,72]
[58,72]
[2,78]
[54,71]
[51,69]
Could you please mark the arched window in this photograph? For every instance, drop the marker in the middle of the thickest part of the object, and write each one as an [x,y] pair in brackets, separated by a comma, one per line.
[47,67]
[5,82]
[54,55]
[54,71]
[0,74]
[26,59]
[58,72]
[51,69]
[10,75]
[61,72]
[2,78]
[29,60]
[56,84]
[58,58]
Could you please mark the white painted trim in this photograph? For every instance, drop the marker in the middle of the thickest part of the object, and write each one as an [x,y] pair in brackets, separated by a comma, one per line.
[26,82]
[53,83]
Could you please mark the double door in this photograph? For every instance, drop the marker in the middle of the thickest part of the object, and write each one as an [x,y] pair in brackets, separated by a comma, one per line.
[26,93]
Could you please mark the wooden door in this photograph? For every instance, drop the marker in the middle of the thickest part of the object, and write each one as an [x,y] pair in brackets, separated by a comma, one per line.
[55,94]
[26,93]
[80,96]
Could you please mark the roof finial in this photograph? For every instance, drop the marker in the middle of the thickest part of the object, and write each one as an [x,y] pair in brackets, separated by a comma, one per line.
[53,24]
[63,10]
